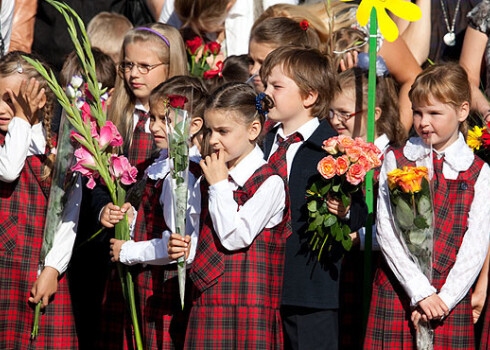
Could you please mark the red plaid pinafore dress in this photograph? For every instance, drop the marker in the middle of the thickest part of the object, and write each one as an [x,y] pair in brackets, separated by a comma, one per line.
[142,148]
[237,294]
[389,325]
[23,205]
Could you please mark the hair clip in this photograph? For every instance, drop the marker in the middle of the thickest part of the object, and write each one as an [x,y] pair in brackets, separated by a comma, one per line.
[19,69]
[304,25]
[263,103]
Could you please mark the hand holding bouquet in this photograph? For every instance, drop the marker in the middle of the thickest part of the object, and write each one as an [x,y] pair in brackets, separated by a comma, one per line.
[342,173]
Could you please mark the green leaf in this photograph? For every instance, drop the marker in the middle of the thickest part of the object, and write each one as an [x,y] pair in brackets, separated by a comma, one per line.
[420,222]
[330,220]
[314,188]
[336,187]
[324,190]
[347,244]
[313,206]
[345,200]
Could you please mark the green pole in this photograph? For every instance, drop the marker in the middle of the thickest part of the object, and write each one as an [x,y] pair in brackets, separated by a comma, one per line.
[373,32]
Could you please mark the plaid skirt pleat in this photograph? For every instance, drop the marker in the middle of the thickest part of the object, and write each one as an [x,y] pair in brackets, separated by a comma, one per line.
[23,206]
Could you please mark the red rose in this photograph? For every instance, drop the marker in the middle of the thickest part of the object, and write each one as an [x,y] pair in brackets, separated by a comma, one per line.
[177,101]
[212,73]
[214,47]
[485,137]
[194,45]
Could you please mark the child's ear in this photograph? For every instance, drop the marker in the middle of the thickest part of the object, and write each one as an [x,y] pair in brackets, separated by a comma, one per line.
[464,111]
[196,125]
[310,99]
[254,130]
[42,102]
[377,113]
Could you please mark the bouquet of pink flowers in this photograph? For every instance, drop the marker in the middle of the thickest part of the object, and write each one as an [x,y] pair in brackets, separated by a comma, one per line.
[342,172]
[84,105]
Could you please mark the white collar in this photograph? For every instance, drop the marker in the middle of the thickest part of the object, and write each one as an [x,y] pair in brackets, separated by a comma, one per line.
[160,167]
[139,106]
[306,130]
[247,166]
[457,156]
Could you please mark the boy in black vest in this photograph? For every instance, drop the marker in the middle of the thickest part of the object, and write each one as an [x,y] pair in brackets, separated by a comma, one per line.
[302,83]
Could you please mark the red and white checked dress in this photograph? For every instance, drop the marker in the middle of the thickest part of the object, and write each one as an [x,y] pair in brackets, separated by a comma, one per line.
[23,205]
[389,325]
[237,294]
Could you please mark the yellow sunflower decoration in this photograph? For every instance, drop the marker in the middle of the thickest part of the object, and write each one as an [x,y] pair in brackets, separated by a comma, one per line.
[400,8]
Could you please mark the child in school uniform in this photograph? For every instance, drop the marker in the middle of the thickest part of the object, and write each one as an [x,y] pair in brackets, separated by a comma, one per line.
[237,270]
[402,295]
[301,84]
[348,116]
[26,163]
[149,56]
[159,305]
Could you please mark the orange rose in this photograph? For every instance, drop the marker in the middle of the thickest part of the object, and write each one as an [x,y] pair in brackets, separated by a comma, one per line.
[355,174]
[342,164]
[353,153]
[345,142]
[326,167]
[330,145]
[408,179]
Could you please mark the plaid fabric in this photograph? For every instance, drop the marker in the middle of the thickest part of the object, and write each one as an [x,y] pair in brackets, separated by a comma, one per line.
[162,320]
[278,160]
[23,206]
[238,308]
[143,146]
[389,320]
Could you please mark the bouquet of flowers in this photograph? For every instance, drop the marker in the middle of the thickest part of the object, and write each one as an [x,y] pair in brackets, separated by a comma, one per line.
[178,123]
[479,141]
[342,173]
[205,60]
[96,136]
[413,214]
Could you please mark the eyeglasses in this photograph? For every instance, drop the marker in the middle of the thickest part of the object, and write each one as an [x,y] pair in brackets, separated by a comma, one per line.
[341,116]
[126,67]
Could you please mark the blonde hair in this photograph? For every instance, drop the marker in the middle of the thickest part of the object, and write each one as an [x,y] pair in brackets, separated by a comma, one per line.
[13,63]
[123,100]
[299,13]
[389,123]
[448,83]
[106,32]
[339,15]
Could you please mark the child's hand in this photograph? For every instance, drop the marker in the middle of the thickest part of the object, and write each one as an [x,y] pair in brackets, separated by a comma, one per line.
[477,303]
[356,239]
[178,245]
[44,287]
[112,214]
[29,100]
[214,168]
[116,245]
[433,307]
[349,61]
[417,315]
[336,207]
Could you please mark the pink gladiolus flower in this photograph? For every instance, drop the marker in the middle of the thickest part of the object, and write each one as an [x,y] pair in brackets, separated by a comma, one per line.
[93,130]
[330,145]
[122,169]
[84,157]
[355,174]
[75,136]
[109,135]
[86,112]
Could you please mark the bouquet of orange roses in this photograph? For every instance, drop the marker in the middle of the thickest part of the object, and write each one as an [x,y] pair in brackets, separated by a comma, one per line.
[342,172]
[413,214]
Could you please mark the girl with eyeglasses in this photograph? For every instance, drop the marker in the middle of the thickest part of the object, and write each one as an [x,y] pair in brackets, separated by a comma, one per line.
[348,116]
[149,56]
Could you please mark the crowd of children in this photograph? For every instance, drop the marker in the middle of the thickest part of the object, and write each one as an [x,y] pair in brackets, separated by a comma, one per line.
[257,132]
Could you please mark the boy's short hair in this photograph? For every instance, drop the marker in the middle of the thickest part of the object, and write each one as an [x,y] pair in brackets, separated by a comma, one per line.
[106,31]
[105,69]
[309,69]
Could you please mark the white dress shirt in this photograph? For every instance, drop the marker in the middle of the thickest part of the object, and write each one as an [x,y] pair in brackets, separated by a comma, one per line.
[238,22]
[472,252]
[23,140]
[306,130]
[154,252]
[136,116]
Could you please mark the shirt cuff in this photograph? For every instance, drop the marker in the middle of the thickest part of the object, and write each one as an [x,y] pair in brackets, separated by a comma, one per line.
[219,186]
[418,289]
[447,299]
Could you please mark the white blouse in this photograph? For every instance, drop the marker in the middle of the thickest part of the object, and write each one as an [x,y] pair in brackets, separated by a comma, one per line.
[472,252]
